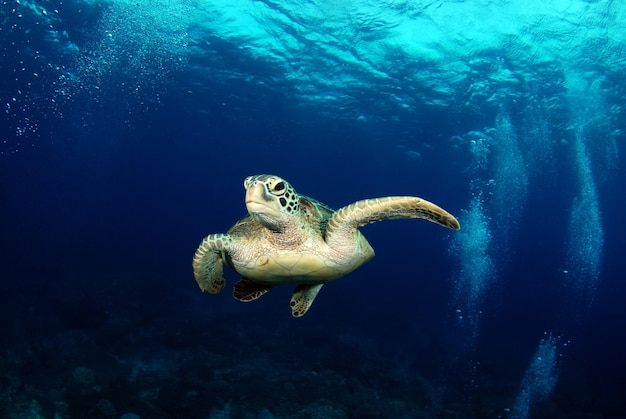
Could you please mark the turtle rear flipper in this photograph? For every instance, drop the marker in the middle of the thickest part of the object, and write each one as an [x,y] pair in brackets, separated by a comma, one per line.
[246,290]
[302,298]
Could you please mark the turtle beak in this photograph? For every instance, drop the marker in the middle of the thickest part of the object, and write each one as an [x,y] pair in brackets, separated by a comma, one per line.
[262,206]
[257,198]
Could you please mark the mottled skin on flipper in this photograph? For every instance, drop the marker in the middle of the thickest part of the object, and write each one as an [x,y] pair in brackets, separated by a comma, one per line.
[207,263]
[302,298]
[246,290]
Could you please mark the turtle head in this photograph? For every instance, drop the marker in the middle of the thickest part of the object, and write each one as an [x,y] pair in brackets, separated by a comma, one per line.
[271,201]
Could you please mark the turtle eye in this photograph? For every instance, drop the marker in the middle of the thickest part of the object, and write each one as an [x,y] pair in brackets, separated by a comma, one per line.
[280,186]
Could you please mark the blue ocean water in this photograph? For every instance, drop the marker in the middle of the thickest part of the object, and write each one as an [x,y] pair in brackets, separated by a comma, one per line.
[128,127]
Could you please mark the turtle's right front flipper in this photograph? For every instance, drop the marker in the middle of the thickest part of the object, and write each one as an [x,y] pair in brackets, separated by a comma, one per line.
[207,262]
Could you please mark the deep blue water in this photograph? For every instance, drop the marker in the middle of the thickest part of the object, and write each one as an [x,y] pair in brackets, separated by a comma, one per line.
[127,129]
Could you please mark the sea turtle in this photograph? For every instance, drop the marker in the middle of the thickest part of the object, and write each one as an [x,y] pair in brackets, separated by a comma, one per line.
[288,238]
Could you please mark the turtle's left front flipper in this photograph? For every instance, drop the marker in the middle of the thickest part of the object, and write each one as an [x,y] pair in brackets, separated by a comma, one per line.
[369,211]
[208,266]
